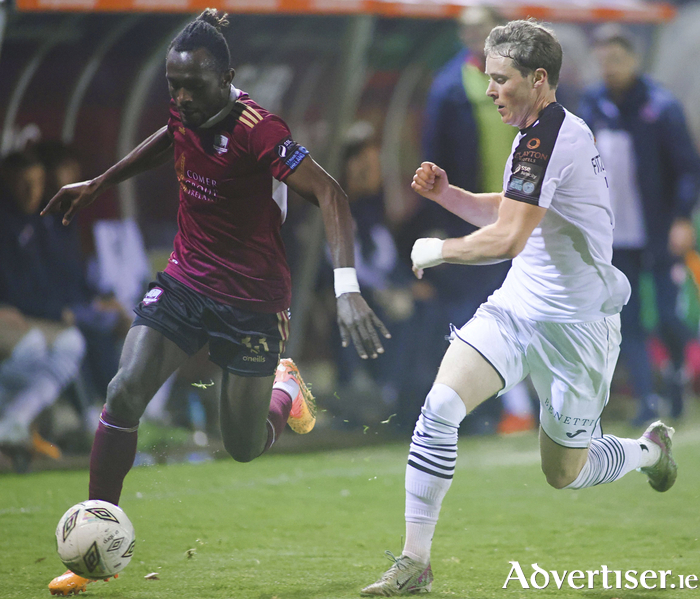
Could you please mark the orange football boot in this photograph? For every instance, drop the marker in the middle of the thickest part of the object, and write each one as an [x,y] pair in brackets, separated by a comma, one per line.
[302,418]
[71,584]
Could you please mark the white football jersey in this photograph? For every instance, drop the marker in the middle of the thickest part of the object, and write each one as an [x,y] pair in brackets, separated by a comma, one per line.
[564,273]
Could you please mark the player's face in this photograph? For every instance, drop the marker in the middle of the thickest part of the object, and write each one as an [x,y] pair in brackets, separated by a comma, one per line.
[515,96]
[198,89]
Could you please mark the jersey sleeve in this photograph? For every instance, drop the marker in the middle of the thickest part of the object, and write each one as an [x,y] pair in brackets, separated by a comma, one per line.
[272,145]
[535,172]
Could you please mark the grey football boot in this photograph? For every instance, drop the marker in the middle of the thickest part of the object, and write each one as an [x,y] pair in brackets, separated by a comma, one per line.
[663,474]
[405,577]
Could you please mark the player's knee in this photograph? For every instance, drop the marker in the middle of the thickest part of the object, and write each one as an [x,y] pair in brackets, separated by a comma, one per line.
[125,398]
[239,448]
[444,402]
[239,452]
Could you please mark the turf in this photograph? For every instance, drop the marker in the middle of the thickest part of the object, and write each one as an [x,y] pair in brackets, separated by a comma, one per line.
[316,525]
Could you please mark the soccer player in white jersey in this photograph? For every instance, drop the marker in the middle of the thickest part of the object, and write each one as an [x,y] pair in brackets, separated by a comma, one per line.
[556,316]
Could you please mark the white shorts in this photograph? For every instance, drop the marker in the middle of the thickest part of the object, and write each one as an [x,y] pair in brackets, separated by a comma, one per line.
[571,366]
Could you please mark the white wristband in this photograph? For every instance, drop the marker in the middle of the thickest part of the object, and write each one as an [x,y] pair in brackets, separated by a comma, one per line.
[427,252]
[345,281]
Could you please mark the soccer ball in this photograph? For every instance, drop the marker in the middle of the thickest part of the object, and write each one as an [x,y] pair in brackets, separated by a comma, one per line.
[95,539]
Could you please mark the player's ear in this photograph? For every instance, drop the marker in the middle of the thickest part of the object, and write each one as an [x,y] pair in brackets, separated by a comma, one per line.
[540,76]
[227,78]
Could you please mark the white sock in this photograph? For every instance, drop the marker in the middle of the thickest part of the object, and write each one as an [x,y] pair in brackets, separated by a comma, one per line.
[651,452]
[609,459]
[290,387]
[431,465]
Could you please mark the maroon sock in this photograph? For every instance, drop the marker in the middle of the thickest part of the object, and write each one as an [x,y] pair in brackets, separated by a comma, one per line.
[280,406]
[113,454]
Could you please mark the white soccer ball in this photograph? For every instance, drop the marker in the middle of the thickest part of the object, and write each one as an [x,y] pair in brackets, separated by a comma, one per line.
[95,539]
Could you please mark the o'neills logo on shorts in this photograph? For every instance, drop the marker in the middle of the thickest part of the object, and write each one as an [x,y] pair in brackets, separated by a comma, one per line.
[152,296]
[254,358]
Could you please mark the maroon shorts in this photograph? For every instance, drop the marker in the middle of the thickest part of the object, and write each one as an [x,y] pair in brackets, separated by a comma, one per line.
[240,341]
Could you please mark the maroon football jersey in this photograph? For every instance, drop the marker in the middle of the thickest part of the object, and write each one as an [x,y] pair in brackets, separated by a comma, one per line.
[228,245]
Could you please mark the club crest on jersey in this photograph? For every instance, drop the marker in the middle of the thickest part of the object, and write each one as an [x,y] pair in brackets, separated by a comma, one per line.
[221,144]
[152,296]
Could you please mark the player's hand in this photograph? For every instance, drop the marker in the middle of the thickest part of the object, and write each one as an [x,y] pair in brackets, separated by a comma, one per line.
[72,198]
[681,237]
[426,253]
[358,323]
[430,181]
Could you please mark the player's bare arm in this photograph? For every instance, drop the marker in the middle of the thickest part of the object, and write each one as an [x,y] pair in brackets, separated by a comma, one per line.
[479,209]
[357,322]
[502,240]
[152,152]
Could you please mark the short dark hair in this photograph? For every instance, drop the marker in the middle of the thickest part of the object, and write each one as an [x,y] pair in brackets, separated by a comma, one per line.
[16,162]
[54,153]
[612,33]
[205,32]
[530,45]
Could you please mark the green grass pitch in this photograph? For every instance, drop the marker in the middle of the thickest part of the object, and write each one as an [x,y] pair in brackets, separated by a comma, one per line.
[316,525]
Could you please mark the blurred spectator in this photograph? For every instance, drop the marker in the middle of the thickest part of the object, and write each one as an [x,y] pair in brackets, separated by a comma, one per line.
[40,351]
[653,171]
[61,164]
[50,315]
[101,319]
[384,279]
[463,134]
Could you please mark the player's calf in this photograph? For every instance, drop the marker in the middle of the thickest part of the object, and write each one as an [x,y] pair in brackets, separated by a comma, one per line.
[563,473]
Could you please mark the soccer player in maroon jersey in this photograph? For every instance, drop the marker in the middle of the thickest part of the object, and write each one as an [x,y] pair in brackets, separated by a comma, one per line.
[227,281]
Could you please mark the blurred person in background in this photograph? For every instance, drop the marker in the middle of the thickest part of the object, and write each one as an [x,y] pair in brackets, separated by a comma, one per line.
[40,347]
[383,276]
[465,136]
[101,318]
[653,171]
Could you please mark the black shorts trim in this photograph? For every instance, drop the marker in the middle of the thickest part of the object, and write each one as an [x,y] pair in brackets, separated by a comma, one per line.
[476,349]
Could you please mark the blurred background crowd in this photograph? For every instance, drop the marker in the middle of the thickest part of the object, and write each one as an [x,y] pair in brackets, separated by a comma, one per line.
[371,97]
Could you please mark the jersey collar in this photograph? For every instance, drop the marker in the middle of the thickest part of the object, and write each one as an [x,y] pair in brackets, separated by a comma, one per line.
[234,94]
[545,110]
